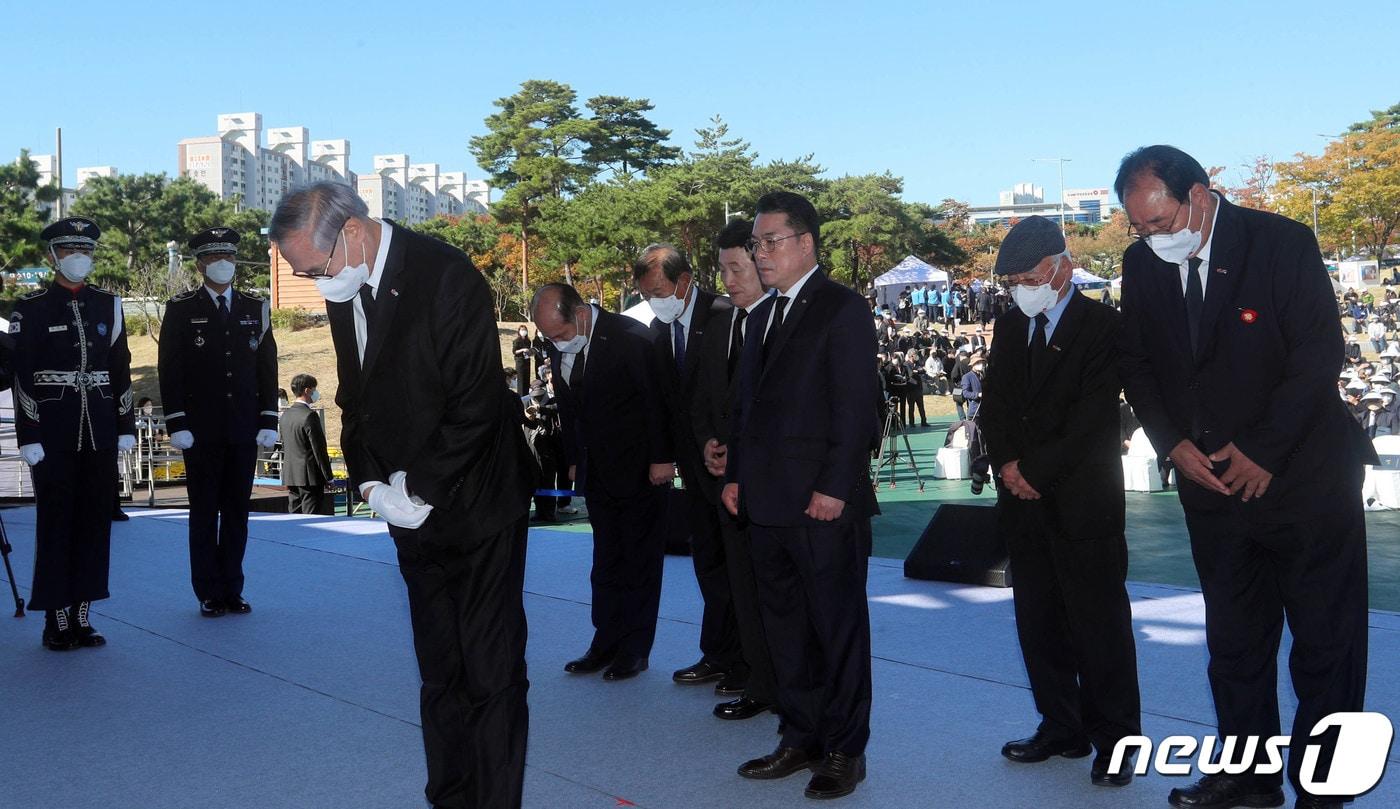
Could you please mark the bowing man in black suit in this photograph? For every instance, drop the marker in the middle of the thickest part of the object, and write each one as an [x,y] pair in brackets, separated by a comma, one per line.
[620,455]
[715,386]
[1231,345]
[804,421]
[683,312]
[433,440]
[1049,414]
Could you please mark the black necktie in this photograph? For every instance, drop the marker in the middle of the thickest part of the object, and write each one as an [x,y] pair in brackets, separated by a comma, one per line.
[223,309]
[736,340]
[1037,352]
[678,345]
[1194,301]
[367,303]
[772,337]
[576,373]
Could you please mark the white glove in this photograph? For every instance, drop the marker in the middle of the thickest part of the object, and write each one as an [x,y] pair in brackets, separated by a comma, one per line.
[394,504]
[126,443]
[266,439]
[32,453]
[181,439]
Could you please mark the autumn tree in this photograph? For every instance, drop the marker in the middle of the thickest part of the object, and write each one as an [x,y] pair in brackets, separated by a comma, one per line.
[1356,181]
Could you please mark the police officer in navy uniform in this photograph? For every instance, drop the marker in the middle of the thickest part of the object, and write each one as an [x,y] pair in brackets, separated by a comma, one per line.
[72,386]
[218,383]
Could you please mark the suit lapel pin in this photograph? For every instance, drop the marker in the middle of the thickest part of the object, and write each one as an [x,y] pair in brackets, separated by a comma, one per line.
[1054,347]
[1248,315]
[1221,270]
[394,292]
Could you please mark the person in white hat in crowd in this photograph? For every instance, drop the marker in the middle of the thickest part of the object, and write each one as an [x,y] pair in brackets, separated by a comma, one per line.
[1376,418]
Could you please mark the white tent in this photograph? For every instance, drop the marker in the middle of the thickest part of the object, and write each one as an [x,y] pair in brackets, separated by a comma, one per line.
[910,272]
[1086,280]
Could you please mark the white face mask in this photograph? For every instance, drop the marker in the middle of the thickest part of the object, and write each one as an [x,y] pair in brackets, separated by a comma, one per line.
[75,266]
[220,272]
[1176,248]
[315,396]
[1034,300]
[345,285]
[667,309]
[573,346]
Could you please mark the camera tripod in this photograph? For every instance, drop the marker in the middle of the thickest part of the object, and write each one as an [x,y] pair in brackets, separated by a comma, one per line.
[9,571]
[889,450]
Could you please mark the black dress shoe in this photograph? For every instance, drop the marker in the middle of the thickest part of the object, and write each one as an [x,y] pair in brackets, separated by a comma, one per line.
[1225,791]
[1039,747]
[732,684]
[237,605]
[624,668]
[590,662]
[1099,775]
[741,708]
[211,608]
[779,764]
[701,672]
[836,777]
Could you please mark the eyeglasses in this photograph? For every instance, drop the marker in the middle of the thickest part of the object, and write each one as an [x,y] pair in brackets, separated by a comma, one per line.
[1156,226]
[767,244]
[325,268]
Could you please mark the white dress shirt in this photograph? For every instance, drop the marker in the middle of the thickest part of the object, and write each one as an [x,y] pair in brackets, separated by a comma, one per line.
[227,295]
[376,274]
[744,327]
[791,295]
[1203,254]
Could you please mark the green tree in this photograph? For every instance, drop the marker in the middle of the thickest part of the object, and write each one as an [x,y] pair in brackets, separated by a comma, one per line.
[533,149]
[24,210]
[625,141]
[1357,185]
[596,235]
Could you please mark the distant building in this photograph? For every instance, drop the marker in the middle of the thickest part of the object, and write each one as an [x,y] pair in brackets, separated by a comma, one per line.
[1087,206]
[47,165]
[235,164]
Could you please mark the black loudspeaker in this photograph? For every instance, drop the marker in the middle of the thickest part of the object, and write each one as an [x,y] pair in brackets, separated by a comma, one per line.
[960,545]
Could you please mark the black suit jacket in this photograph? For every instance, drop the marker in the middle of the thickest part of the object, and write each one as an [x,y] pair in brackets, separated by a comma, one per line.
[714,395]
[615,423]
[431,397]
[1061,424]
[1265,377]
[304,458]
[678,385]
[805,421]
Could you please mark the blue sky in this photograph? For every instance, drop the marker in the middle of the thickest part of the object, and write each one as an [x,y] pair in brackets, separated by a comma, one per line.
[957,98]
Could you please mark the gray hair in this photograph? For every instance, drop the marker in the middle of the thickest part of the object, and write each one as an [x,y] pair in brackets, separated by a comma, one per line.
[321,208]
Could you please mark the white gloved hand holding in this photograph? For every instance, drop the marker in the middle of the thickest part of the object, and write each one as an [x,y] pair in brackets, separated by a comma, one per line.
[399,480]
[32,453]
[181,439]
[266,439]
[126,443]
[393,503]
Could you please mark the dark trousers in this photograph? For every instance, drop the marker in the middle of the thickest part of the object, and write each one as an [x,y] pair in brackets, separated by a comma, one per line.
[912,397]
[306,499]
[811,592]
[74,491]
[1076,633]
[628,553]
[1312,574]
[719,634]
[469,633]
[743,588]
[219,478]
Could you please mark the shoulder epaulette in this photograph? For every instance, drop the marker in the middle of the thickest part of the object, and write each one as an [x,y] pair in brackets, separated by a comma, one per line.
[186,295]
[106,292]
[32,294]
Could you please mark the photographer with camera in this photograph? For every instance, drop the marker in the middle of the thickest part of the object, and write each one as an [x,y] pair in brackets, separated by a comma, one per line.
[1049,417]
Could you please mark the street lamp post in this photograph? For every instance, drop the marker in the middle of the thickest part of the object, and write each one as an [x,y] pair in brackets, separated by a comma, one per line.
[1062,161]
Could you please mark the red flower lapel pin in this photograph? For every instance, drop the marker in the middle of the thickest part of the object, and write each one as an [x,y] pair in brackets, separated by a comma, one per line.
[1248,316]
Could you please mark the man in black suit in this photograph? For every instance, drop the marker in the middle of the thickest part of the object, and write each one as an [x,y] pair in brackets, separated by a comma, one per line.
[715,386]
[804,421]
[1049,415]
[306,466]
[666,283]
[218,382]
[1231,345]
[618,443]
[433,441]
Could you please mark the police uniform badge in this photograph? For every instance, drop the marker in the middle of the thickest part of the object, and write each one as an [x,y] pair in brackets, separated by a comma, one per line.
[101,329]
[199,341]
[253,343]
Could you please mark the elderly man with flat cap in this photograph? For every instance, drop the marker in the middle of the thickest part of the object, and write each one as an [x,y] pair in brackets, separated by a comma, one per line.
[72,385]
[1049,416]
[218,383]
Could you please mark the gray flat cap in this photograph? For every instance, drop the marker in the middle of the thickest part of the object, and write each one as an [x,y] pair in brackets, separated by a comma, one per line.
[1033,238]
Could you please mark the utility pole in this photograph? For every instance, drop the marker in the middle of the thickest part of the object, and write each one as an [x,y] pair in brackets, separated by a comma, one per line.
[58,150]
[1062,161]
